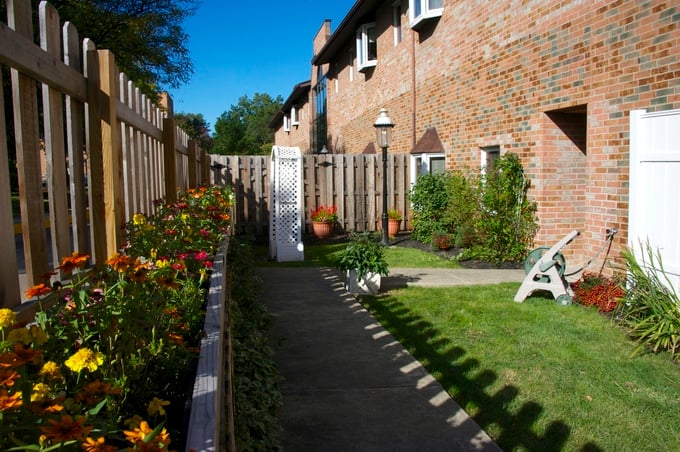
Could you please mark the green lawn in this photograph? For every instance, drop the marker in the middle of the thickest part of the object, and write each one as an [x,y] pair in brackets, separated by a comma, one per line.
[535,375]
[326,255]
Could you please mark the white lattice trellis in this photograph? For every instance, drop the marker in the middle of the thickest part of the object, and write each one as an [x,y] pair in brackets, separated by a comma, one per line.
[285,218]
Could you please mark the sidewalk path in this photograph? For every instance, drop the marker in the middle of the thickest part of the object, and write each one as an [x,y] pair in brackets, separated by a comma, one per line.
[348,385]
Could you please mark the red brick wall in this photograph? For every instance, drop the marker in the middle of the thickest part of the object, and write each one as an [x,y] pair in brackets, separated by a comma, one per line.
[508,73]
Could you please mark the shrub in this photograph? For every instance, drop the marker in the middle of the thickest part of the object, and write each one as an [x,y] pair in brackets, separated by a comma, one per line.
[442,240]
[430,201]
[650,309]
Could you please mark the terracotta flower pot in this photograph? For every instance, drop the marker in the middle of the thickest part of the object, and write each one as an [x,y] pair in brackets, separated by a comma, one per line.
[322,229]
[393,227]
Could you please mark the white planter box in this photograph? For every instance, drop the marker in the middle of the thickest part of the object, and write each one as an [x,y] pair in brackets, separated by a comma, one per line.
[368,285]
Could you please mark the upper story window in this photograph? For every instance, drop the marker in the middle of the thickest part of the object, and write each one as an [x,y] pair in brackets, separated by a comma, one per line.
[367,46]
[396,21]
[294,116]
[420,10]
[286,123]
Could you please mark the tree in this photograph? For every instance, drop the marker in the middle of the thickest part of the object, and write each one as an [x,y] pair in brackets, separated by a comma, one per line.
[197,128]
[244,129]
[145,36]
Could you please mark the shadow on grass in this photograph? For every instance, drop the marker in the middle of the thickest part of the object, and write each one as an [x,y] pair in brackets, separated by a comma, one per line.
[455,367]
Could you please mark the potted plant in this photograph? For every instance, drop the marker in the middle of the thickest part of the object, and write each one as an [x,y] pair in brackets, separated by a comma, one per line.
[364,261]
[393,222]
[323,220]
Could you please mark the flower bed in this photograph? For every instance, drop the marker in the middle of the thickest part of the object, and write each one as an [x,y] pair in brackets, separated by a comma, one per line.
[111,363]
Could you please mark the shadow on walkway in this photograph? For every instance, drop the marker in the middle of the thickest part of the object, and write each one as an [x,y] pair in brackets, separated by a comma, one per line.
[348,385]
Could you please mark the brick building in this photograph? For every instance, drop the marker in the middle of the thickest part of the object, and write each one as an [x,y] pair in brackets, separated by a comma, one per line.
[465,81]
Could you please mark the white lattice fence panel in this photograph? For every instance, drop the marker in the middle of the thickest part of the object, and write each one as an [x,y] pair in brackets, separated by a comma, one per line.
[285,233]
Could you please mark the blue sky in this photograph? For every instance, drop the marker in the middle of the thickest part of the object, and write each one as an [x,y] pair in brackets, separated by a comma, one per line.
[238,50]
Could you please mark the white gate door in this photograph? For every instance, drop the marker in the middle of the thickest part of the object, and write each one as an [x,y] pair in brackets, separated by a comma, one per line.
[654,197]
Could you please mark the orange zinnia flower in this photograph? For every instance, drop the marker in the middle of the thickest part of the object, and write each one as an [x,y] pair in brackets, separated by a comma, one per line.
[97,445]
[7,402]
[38,290]
[66,429]
[8,377]
[75,260]
[120,262]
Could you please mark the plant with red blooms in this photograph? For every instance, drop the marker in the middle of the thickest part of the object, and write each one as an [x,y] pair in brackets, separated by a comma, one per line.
[324,214]
[598,291]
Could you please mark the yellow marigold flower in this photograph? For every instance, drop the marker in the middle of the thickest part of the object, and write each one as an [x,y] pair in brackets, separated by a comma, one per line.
[40,392]
[184,217]
[156,407]
[85,359]
[138,219]
[162,263]
[153,253]
[97,445]
[19,335]
[50,370]
[7,318]
[38,336]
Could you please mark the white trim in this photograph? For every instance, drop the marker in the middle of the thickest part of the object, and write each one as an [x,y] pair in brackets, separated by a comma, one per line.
[294,116]
[362,38]
[425,12]
[286,123]
[397,25]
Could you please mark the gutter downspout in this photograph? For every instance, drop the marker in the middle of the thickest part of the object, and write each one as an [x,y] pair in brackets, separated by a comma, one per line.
[413,88]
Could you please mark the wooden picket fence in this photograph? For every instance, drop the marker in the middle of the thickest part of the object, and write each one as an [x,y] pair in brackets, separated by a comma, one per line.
[108,151]
[353,183]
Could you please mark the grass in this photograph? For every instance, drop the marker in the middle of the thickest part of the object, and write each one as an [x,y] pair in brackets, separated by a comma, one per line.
[326,255]
[535,375]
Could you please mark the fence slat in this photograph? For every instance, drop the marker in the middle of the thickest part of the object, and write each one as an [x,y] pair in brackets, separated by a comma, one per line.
[9,276]
[75,119]
[27,136]
[55,151]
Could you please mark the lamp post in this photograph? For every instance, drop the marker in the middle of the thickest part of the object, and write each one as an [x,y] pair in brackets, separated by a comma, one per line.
[383,127]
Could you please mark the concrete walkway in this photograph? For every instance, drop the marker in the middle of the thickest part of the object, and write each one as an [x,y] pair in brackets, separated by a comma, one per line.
[348,385]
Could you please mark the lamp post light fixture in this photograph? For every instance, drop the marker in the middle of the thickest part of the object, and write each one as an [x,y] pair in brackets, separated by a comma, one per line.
[383,127]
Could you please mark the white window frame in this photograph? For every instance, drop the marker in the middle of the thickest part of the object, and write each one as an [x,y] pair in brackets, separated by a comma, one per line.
[425,11]
[294,116]
[396,22]
[487,153]
[363,62]
[425,166]
[286,123]
[351,64]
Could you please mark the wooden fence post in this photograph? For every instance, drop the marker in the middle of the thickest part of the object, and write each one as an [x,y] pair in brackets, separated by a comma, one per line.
[169,151]
[112,154]
[193,151]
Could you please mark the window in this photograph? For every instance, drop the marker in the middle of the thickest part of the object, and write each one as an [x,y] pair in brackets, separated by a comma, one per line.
[396,22]
[351,64]
[286,123]
[420,10]
[294,119]
[367,47]
[426,164]
[319,125]
[489,156]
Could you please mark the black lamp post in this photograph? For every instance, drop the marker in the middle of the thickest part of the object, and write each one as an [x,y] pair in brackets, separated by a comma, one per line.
[383,126]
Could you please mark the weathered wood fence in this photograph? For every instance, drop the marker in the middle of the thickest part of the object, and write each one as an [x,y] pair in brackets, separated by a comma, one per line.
[353,183]
[108,151]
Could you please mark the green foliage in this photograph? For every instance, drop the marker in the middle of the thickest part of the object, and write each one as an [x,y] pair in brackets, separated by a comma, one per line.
[650,309]
[197,128]
[365,254]
[256,378]
[430,200]
[146,36]
[491,217]
[244,129]
[506,222]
